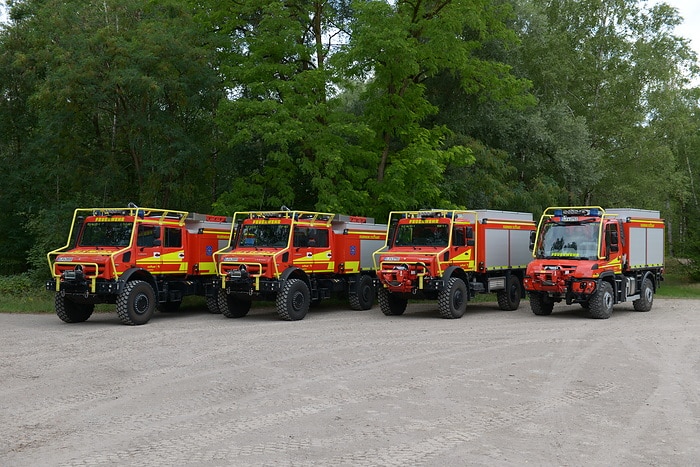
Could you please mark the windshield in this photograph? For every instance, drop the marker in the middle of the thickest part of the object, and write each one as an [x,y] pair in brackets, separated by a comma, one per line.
[264,235]
[107,234]
[570,240]
[422,235]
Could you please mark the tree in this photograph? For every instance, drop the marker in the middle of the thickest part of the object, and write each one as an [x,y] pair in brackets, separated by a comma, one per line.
[611,64]
[296,144]
[107,102]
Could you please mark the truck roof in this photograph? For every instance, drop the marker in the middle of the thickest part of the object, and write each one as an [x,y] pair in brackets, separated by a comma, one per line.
[634,213]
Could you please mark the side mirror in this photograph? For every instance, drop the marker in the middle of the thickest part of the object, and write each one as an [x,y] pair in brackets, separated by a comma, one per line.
[533,235]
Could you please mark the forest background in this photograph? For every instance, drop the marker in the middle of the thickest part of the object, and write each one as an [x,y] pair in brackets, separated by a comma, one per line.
[352,106]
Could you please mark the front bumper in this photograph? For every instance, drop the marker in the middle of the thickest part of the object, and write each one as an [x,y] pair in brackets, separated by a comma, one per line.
[85,288]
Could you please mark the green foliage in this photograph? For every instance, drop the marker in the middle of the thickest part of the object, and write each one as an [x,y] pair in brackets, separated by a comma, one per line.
[19,285]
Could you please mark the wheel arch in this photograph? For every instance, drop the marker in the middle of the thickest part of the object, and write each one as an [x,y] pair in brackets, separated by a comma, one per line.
[295,273]
[455,271]
[141,275]
[652,276]
[609,277]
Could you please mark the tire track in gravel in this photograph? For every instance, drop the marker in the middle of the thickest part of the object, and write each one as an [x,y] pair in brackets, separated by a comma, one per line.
[202,436]
[672,397]
[335,390]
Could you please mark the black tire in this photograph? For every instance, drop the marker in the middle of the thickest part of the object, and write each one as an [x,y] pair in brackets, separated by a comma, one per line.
[646,299]
[541,304]
[452,300]
[601,302]
[364,293]
[212,302]
[390,303]
[137,303]
[72,312]
[232,306]
[509,298]
[293,300]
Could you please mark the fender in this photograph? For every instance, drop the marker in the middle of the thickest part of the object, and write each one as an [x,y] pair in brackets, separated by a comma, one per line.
[652,276]
[455,271]
[609,277]
[295,273]
[140,274]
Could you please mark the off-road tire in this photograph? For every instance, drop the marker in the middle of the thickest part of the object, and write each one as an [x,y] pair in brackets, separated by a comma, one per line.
[232,306]
[72,312]
[363,296]
[452,300]
[541,304]
[601,302]
[293,300]
[213,302]
[391,304]
[509,298]
[137,303]
[646,299]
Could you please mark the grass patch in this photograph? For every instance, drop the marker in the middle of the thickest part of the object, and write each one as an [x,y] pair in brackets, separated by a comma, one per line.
[38,303]
[677,282]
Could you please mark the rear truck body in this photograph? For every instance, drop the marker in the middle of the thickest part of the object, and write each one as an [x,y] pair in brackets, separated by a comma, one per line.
[450,256]
[297,258]
[597,258]
[137,258]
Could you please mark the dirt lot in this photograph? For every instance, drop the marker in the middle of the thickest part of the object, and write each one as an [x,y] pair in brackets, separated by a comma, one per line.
[354,388]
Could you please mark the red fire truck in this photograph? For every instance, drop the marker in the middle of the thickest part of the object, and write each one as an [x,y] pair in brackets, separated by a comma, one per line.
[596,257]
[137,258]
[450,255]
[297,258]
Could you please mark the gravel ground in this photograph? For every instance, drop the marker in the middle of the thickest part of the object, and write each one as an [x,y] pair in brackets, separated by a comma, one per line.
[354,388]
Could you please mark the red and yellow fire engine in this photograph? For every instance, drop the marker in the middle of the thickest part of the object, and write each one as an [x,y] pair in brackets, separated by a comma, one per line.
[596,257]
[451,255]
[296,258]
[137,258]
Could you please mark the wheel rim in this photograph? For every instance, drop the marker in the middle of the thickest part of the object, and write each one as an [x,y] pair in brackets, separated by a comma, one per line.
[297,301]
[457,299]
[365,293]
[141,304]
[649,294]
[513,293]
[607,300]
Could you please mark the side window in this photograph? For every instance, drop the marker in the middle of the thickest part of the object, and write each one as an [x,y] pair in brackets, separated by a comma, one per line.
[318,238]
[173,238]
[310,237]
[612,238]
[301,238]
[147,235]
[458,237]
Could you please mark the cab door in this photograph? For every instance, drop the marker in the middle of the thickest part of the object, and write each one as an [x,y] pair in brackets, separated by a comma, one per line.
[173,257]
[462,249]
[311,249]
[148,247]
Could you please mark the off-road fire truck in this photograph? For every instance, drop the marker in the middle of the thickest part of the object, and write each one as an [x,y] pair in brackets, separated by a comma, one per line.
[137,258]
[596,257]
[297,258]
[451,256]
